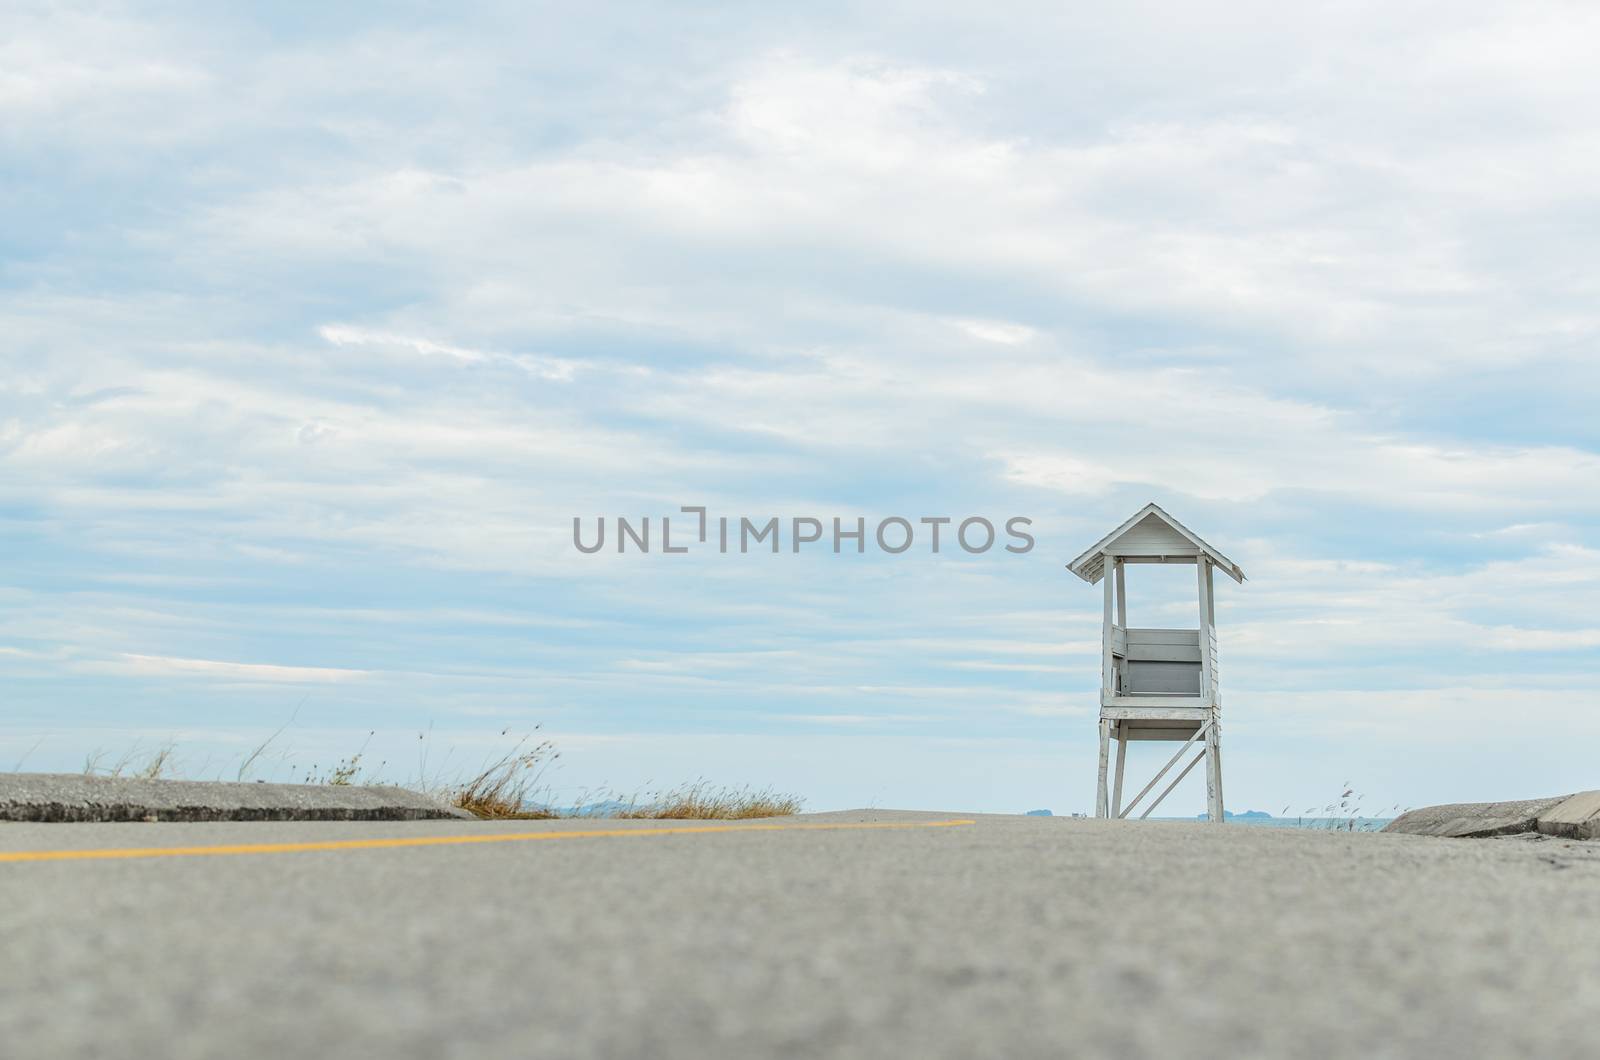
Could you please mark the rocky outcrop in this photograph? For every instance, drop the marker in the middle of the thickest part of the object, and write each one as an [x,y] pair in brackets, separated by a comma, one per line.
[1571,816]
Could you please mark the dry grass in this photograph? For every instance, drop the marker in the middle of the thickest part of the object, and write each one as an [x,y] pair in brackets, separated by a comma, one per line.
[507,787]
[142,765]
[510,787]
[344,773]
[702,802]
[1342,815]
[504,789]
[261,748]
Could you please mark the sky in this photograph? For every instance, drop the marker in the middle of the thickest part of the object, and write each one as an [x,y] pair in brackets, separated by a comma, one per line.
[319,325]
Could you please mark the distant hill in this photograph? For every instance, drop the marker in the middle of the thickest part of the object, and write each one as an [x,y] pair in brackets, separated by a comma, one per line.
[1252,815]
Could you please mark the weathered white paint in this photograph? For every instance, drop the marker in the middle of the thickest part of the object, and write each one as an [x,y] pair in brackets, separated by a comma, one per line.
[1156,713]
[1105,748]
[1122,758]
[1122,593]
[1201,567]
[1147,700]
[1211,598]
[1157,733]
[1214,771]
[1157,684]
[1198,733]
[1149,534]
[1108,676]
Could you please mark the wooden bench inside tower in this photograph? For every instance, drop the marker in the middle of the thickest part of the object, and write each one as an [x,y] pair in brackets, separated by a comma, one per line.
[1156,662]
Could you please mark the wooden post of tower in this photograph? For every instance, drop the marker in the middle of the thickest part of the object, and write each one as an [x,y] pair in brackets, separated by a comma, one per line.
[1157,684]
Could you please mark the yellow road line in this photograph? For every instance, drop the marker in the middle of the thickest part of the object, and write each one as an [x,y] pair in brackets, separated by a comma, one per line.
[445,840]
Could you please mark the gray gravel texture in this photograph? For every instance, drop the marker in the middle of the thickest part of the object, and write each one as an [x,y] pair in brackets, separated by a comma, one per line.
[60,797]
[1012,937]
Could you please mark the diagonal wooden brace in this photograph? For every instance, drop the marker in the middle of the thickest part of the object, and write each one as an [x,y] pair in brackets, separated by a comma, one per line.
[1175,782]
[1200,732]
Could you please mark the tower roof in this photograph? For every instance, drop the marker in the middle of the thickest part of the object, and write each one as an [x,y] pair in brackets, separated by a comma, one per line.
[1152,533]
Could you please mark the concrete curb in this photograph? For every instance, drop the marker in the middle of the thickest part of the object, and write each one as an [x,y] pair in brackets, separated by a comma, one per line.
[1571,816]
[76,797]
[1576,818]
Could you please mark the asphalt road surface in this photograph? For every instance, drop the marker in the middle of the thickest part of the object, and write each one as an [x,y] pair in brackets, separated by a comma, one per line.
[1001,937]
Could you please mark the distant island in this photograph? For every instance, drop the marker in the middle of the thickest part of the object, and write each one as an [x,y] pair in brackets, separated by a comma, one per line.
[1253,815]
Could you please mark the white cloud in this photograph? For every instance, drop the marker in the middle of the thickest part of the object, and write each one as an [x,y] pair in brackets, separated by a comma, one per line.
[552,368]
[1513,639]
[999,331]
[159,665]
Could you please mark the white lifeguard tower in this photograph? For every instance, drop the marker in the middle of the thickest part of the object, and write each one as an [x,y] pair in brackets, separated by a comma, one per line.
[1157,684]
